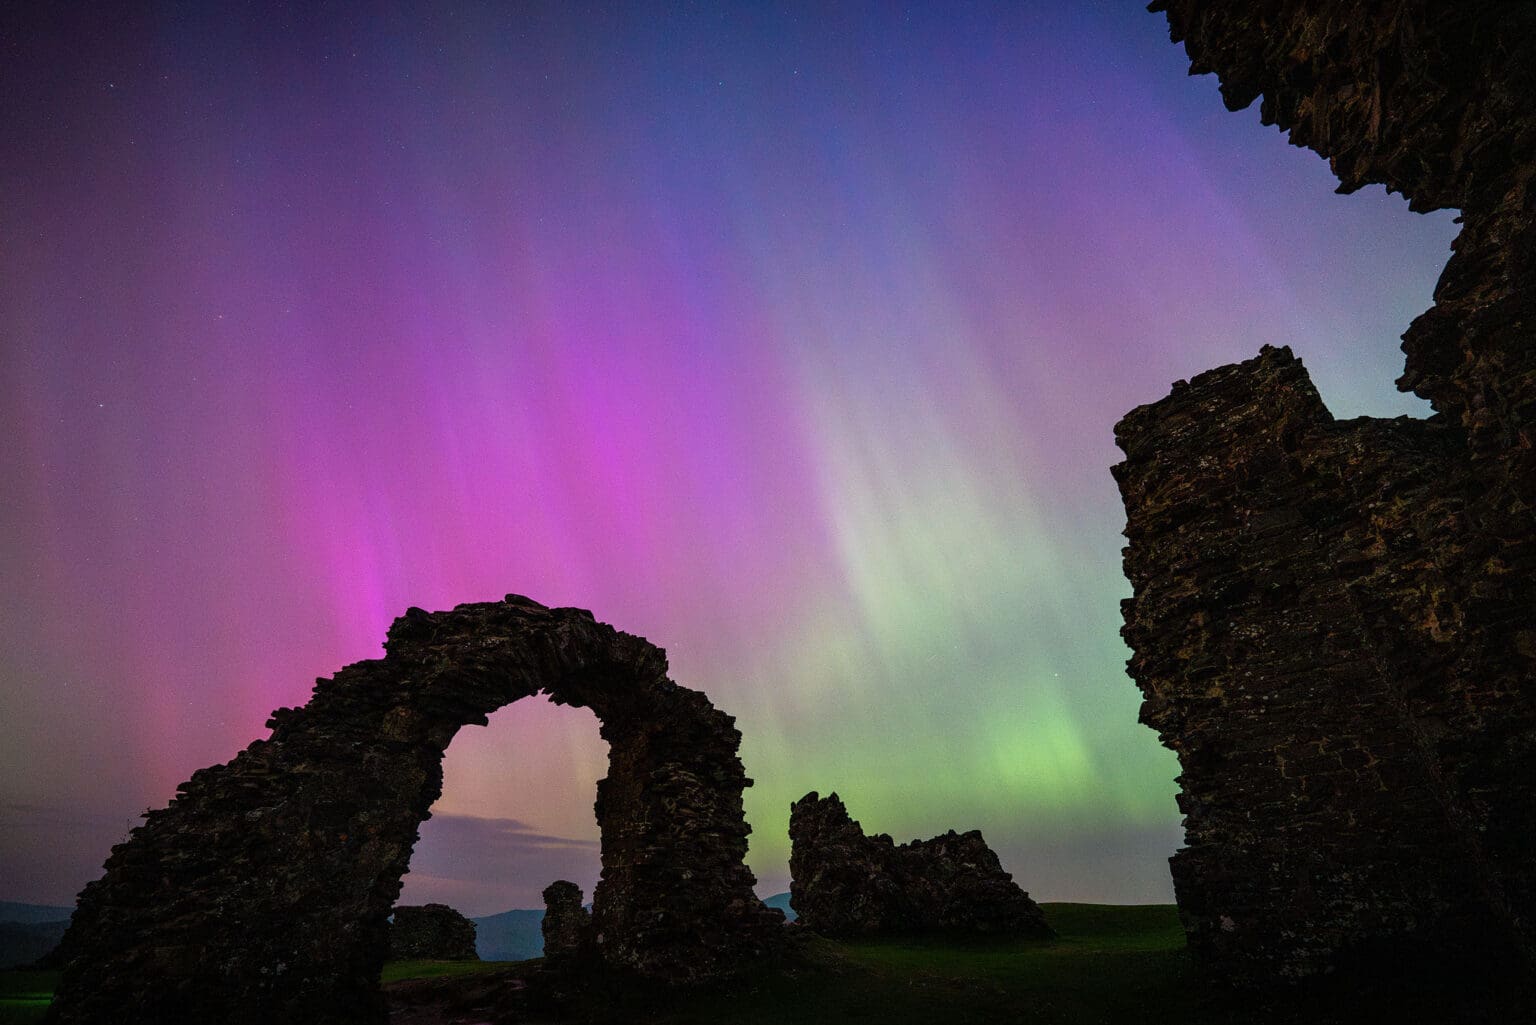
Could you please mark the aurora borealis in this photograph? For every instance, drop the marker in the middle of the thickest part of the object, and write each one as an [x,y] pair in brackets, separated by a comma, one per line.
[788,337]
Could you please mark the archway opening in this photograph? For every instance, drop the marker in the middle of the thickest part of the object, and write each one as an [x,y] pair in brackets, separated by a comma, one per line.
[516,812]
[262,893]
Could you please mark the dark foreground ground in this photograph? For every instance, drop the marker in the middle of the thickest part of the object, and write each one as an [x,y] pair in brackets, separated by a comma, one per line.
[1109,965]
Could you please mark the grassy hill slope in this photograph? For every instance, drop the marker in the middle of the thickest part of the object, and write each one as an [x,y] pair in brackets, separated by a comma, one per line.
[1109,965]
[510,936]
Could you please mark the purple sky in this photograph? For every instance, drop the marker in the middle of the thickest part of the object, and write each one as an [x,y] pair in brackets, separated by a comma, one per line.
[790,338]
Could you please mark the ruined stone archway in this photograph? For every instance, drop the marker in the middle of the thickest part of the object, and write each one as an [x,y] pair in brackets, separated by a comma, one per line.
[261,893]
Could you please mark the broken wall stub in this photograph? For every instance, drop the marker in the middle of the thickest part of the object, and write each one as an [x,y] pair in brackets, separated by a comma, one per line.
[262,892]
[844,883]
[1334,622]
[566,927]
[433,932]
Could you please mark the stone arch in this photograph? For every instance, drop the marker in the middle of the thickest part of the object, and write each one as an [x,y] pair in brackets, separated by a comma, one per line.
[261,892]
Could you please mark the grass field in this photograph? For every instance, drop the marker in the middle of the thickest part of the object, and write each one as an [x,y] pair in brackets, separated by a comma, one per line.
[24,996]
[399,971]
[1107,961]
[1108,965]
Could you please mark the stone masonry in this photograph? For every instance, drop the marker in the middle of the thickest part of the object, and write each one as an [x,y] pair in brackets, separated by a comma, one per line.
[262,892]
[567,927]
[434,932]
[847,884]
[1334,622]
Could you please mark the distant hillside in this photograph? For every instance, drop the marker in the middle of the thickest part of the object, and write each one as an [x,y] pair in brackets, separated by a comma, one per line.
[29,913]
[516,935]
[24,942]
[28,931]
[781,901]
[510,936]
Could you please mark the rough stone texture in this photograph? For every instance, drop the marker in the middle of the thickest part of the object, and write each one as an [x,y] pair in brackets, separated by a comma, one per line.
[262,892]
[1432,100]
[434,932]
[1333,621]
[567,926]
[847,884]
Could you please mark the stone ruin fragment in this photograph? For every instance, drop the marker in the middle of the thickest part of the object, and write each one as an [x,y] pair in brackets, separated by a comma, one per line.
[847,884]
[431,932]
[567,927]
[262,893]
[1334,622]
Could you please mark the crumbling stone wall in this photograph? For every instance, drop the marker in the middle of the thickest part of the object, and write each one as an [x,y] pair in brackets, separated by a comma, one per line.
[844,883]
[567,927]
[262,892]
[1334,623]
[433,932]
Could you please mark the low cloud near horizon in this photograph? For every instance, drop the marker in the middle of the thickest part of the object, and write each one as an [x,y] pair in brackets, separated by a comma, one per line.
[478,865]
[483,866]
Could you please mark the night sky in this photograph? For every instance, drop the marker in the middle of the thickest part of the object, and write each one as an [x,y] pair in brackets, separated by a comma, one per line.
[790,338]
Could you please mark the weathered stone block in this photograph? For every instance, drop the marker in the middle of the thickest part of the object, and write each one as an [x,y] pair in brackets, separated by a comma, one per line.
[433,932]
[1327,615]
[567,927]
[262,893]
[847,884]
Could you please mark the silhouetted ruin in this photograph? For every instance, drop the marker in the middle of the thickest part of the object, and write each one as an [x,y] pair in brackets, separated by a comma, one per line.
[1334,622]
[567,927]
[262,892]
[433,932]
[847,884]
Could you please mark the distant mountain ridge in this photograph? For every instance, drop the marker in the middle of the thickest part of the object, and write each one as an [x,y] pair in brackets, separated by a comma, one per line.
[28,931]
[29,914]
[781,901]
[517,935]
